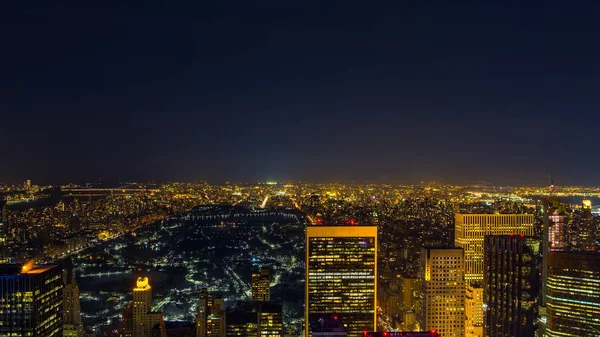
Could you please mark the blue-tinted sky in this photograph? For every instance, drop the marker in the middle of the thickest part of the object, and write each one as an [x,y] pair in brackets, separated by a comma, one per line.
[251,90]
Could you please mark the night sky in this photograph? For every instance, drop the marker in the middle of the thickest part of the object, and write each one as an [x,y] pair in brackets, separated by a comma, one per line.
[300,90]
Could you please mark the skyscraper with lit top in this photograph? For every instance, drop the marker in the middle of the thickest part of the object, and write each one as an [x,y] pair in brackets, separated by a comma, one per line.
[443,290]
[138,317]
[341,275]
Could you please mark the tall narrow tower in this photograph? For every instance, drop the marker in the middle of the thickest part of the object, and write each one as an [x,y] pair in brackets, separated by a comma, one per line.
[210,317]
[443,290]
[72,324]
[142,305]
[511,285]
[138,318]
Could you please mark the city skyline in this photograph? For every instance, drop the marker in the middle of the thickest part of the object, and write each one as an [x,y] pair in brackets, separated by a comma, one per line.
[299,169]
[323,91]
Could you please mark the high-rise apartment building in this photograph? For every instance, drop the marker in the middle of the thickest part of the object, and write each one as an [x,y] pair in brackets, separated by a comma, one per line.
[31,300]
[138,318]
[210,318]
[443,290]
[512,285]
[341,275]
[573,294]
[470,230]
[261,285]
[72,324]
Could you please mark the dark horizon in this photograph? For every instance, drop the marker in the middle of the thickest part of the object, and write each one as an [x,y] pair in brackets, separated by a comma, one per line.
[335,91]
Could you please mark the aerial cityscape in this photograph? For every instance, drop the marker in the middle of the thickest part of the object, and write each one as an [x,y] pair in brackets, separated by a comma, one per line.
[169,247]
[299,169]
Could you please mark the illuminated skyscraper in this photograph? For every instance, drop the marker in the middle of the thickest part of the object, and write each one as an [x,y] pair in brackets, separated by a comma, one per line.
[341,275]
[471,229]
[443,290]
[261,285]
[210,318]
[31,300]
[512,285]
[72,325]
[556,231]
[138,317]
[573,294]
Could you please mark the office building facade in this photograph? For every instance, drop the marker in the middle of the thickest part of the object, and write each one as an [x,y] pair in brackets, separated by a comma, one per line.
[511,285]
[443,290]
[31,300]
[573,294]
[341,275]
[471,229]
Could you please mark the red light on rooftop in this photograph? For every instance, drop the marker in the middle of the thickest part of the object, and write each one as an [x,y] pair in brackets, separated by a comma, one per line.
[335,317]
[365,333]
[512,234]
[522,235]
[352,222]
[319,221]
[385,334]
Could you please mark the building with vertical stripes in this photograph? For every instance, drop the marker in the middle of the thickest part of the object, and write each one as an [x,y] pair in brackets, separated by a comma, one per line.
[341,275]
[470,230]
